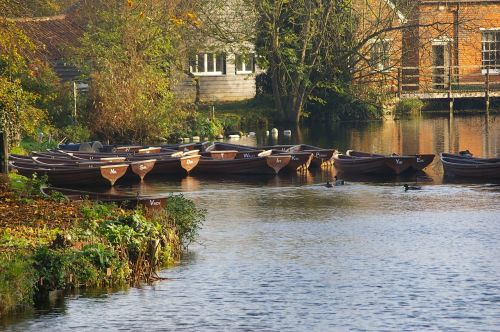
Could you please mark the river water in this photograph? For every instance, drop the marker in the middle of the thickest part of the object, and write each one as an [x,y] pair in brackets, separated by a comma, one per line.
[288,254]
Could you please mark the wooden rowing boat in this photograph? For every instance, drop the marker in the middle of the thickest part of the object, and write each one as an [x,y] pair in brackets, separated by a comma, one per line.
[166,163]
[101,175]
[138,168]
[371,165]
[461,166]
[265,163]
[419,161]
[129,201]
[298,160]
[320,157]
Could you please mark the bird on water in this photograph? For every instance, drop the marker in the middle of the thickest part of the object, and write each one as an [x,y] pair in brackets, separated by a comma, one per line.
[328,184]
[338,182]
[407,187]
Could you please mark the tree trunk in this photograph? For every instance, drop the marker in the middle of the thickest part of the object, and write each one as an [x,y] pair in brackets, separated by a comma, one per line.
[5,151]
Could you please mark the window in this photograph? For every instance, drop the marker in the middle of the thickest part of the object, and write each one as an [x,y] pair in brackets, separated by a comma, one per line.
[491,51]
[208,64]
[380,55]
[245,64]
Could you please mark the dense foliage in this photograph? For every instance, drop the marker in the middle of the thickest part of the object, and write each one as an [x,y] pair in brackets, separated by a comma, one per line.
[133,48]
[54,244]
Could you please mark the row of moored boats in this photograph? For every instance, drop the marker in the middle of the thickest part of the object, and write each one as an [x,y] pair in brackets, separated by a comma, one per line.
[110,164]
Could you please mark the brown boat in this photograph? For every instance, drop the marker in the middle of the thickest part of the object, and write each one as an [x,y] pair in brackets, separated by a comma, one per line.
[298,160]
[166,163]
[470,167]
[376,164]
[320,157]
[102,175]
[129,201]
[175,166]
[138,169]
[265,163]
[419,161]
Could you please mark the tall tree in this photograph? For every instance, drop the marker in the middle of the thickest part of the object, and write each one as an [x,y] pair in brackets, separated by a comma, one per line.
[302,43]
[130,53]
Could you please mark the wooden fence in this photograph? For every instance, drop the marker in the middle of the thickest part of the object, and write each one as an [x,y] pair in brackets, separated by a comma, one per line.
[448,82]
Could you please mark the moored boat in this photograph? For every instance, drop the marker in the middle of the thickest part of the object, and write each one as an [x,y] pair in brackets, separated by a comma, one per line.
[131,201]
[138,168]
[358,165]
[298,161]
[264,163]
[418,161]
[470,167]
[66,176]
[320,157]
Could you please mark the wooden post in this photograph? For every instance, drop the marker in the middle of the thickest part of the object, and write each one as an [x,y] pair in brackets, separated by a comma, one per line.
[487,92]
[74,99]
[400,76]
[450,89]
[5,151]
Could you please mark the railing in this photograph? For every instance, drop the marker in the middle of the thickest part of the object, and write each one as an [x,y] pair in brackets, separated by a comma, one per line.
[448,81]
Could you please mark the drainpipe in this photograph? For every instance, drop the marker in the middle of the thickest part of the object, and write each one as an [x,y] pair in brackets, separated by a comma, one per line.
[456,29]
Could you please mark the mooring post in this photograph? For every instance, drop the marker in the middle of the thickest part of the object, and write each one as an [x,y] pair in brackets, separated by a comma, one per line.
[5,151]
[450,89]
[487,92]
[400,75]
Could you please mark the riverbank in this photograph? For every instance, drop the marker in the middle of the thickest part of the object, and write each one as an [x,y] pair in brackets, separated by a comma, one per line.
[53,244]
[242,116]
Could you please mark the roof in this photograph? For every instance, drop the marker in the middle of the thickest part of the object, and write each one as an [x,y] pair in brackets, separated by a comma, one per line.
[51,35]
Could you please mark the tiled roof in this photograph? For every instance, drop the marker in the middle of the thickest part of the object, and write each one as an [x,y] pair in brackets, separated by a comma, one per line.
[51,35]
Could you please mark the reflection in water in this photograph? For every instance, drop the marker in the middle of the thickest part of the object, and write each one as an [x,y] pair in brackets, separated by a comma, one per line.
[285,253]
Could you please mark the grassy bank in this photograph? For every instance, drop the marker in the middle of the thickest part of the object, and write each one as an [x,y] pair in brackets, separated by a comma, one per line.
[52,244]
[242,116]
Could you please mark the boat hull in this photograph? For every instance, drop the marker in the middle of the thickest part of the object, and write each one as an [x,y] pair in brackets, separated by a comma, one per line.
[471,167]
[73,176]
[258,165]
[353,165]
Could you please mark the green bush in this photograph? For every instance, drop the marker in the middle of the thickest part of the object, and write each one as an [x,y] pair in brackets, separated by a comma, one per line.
[75,133]
[17,280]
[186,218]
[409,106]
[27,187]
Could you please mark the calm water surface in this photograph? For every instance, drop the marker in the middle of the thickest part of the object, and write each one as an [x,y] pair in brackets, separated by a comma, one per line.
[287,254]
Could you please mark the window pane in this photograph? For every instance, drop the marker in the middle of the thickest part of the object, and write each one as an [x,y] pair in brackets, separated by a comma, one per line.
[250,63]
[220,63]
[210,62]
[239,62]
[201,63]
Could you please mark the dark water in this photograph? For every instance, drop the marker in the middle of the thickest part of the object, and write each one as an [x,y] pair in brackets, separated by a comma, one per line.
[287,254]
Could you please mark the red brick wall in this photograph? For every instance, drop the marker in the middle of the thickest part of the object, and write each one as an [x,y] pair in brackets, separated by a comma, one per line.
[465,37]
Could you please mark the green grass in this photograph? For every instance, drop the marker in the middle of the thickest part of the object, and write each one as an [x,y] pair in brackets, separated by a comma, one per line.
[243,115]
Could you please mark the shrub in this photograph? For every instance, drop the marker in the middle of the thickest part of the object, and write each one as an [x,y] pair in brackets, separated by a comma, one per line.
[17,280]
[27,187]
[409,106]
[76,133]
[186,218]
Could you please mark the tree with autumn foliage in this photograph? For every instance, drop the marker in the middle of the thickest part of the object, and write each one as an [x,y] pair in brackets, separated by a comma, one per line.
[26,85]
[131,52]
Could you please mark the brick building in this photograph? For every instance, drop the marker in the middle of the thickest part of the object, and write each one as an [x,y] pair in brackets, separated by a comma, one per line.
[452,44]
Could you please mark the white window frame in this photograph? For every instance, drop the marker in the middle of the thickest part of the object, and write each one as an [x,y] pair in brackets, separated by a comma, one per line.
[215,72]
[245,71]
[380,66]
[492,71]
